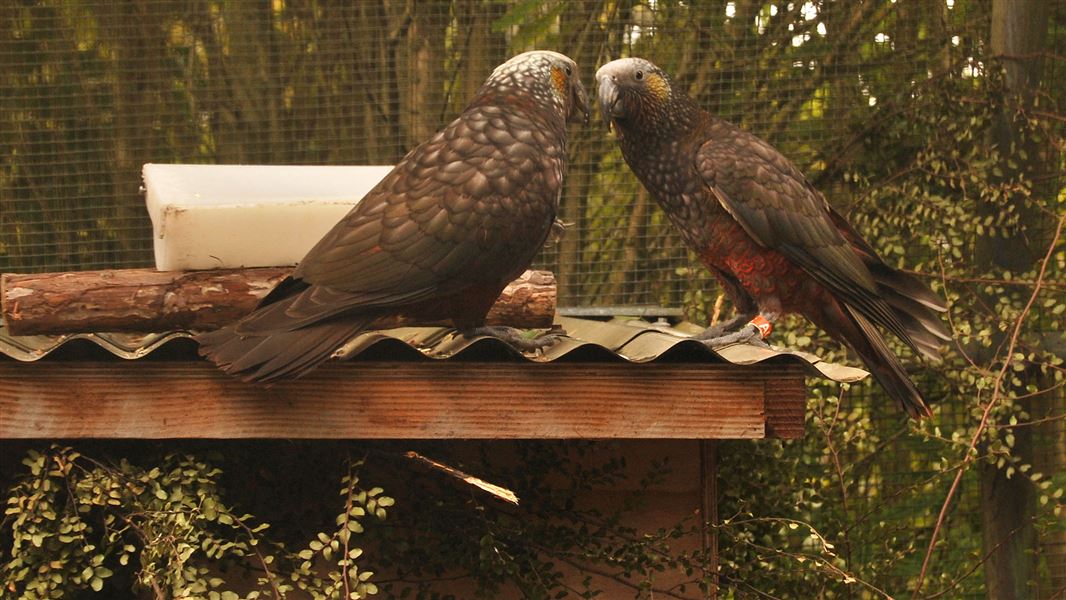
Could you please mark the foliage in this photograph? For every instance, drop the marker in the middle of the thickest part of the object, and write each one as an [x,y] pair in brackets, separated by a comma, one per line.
[168,532]
[925,179]
[73,522]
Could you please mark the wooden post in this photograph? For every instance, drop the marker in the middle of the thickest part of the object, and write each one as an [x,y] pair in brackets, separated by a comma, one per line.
[709,511]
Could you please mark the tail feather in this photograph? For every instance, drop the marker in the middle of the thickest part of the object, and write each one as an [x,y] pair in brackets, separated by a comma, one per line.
[294,329]
[320,342]
[923,317]
[886,368]
[915,321]
[268,357]
[915,306]
[908,286]
[924,341]
[277,341]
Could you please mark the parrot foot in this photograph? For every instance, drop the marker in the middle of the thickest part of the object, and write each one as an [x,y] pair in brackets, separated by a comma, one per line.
[519,339]
[749,334]
[720,329]
[753,332]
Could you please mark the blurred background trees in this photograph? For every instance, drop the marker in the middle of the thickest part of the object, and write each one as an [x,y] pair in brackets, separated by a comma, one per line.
[936,126]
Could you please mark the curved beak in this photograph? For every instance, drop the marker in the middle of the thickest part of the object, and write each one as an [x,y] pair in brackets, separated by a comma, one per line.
[609,99]
[579,102]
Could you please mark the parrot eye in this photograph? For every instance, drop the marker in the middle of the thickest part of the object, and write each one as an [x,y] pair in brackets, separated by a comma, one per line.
[639,75]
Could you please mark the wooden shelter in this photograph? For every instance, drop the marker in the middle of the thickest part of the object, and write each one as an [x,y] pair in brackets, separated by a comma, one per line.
[623,379]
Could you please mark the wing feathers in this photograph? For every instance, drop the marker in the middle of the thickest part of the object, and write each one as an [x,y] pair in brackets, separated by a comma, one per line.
[776,206]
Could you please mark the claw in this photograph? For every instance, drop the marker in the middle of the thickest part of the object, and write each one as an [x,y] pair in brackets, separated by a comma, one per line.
[720,329]
[517,338]
[749,334]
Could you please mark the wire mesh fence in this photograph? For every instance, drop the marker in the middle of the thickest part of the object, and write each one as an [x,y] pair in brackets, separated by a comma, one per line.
[90,90]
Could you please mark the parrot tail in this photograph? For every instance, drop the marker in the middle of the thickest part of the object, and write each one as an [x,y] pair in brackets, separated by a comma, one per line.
[855,330]
[265,357]
[916,308]
[268,357]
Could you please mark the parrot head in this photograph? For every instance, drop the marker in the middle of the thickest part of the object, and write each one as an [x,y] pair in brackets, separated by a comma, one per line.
[549,77]
[631,91]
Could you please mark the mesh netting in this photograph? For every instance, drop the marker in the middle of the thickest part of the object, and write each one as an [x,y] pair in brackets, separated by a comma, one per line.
[91,90]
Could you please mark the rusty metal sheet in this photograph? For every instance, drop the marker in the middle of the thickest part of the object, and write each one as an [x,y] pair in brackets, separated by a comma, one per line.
[631,340]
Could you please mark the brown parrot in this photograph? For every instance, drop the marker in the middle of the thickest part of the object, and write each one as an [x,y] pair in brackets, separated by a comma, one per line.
[768,236]
[457,219]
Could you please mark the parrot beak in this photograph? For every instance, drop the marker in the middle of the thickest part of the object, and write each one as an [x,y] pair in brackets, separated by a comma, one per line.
[579,102]
[608,97]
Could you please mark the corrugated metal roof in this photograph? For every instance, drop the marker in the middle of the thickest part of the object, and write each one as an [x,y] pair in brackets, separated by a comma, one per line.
[631,340]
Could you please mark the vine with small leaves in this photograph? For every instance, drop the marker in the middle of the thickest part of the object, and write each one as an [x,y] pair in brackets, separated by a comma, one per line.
[74,521]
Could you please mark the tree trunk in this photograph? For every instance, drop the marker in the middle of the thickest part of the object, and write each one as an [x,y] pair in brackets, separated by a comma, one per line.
[1019,31]
[140,51]
[1007,505]
[485,48]
[424,102]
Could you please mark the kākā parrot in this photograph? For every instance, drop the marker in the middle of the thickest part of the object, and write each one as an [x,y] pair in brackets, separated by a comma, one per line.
[761,228]
[457,219]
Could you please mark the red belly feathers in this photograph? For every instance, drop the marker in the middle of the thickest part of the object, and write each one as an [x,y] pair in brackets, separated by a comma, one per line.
[762,272]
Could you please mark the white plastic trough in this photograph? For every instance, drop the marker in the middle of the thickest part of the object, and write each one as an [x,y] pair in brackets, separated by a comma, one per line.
[228,216]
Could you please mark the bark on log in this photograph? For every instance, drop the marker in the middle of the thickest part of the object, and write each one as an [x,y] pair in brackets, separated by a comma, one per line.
[145,300]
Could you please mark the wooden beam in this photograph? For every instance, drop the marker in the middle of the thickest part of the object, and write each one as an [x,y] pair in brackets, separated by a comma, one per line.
[429,400]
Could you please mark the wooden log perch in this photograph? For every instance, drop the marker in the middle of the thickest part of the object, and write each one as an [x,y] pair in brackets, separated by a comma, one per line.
[145,300]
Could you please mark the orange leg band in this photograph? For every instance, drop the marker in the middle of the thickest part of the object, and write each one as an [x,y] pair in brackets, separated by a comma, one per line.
[764,326]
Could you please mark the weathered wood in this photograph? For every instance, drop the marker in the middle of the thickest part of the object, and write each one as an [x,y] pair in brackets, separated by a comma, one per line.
[145,300]
[708,450]
[528,302]
[786,403]
[431,400]
[131,299]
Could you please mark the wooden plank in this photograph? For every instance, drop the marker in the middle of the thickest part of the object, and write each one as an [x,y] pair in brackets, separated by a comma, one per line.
[786,402]
[441,400]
